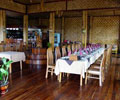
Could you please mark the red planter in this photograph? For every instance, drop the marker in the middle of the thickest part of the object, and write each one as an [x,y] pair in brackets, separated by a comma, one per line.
[4,88]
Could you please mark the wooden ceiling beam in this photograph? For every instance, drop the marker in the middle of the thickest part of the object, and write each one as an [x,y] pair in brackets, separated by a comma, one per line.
[92,4]
[12,6]
[48,7]
[34,3]
[75,5]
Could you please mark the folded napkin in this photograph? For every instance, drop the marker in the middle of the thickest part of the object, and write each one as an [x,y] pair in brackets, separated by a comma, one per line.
[69,53]
[80,51]
[86,51]
[69,61]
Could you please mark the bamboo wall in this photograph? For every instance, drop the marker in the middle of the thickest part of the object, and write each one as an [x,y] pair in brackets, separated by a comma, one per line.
[33,22]
[58,25]
[41,23]
[14,22]
[73,28]
[45,23]
[104,30]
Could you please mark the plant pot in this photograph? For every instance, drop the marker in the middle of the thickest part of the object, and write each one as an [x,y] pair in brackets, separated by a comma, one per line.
[4,88]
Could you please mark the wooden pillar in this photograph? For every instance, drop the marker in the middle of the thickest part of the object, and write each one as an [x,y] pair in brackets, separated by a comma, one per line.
[2,25]
[63,26]
[91,29]
[85,28]
[52,29]
[25,29]
[42,5]
[119,37]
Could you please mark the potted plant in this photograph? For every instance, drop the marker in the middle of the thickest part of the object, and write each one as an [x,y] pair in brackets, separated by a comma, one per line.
[49,44]
[4,73]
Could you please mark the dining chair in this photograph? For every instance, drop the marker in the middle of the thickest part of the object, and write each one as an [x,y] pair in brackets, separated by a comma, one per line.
[108,58]
[68,48]
[17,46]
[97,71]
[11,46]
[57,53]
[109,55]
[21,46]
[14,47]
[7,47]
[115,49]
[50,62]
[73,47]
[1,48]
[78,46]
[64,53]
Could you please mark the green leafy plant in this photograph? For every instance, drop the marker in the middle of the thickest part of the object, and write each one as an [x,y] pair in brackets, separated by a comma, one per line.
[49,44]
[4,71]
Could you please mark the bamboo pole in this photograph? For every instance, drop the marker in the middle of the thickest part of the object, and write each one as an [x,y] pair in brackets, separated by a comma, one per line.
[85,22]
[25,29]
[2,25]
[63,26]
[52,29]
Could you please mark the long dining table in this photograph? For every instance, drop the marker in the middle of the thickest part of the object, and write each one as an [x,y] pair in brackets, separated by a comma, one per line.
[79,67]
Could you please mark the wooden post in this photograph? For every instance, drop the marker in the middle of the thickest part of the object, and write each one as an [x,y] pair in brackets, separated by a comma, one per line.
[63,24]
[119,37]
[52,29]
[85,22]
[2,25]
[25,29]
[91,29]
[42,5]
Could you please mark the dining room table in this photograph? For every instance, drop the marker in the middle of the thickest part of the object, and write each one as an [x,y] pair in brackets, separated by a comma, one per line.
[14,56]
[80,66]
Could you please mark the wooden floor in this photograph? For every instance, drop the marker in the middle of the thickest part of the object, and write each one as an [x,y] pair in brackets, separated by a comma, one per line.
[32,85]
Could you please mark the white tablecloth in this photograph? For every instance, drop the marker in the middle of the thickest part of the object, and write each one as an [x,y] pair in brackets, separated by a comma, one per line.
[14,56]
[80,66]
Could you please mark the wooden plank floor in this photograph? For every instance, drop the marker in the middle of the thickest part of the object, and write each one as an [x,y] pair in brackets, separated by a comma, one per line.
[32,85]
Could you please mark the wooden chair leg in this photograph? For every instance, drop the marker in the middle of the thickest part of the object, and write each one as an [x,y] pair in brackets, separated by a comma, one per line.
[51,72]
[86,78]
[46,76]
[103,76]
[63,74]
[58,77]
[100,80]
[68,75]
[80,80]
